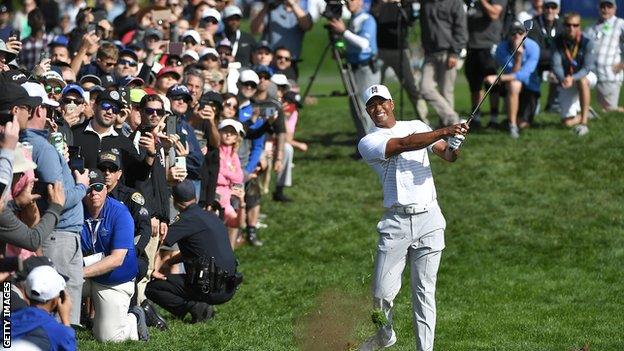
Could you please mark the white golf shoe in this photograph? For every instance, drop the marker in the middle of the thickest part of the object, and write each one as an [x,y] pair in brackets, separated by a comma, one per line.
[378,341]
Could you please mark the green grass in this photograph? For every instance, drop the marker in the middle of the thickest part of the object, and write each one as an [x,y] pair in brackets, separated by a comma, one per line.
[534,244]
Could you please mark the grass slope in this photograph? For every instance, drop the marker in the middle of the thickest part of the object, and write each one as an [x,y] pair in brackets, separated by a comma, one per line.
[533,258]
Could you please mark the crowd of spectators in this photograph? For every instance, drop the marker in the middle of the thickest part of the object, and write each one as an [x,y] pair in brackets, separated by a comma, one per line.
[139,139]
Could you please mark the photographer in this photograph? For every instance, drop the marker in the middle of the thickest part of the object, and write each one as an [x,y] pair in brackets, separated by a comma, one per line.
[204,248]
[361,47]
[282,23]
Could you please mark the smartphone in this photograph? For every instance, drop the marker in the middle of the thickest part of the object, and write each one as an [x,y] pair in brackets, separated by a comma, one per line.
[15,34]
[5,118]
[267,112]
[70,108]
[175,49]
[170,129]
[41,188]
[180,162]
[92,27]
[143,129]
[10,264]
[76,164]
[44,55]
[159,16]
[74,151]
[124,92]
[183,138]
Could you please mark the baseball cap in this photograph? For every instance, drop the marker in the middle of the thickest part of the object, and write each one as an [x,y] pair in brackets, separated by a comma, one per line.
[16,76]
[37,90]
[193,34]
[31,263]
[516,27]
[168,70]
[248,76]
[208,51]
[90,78]
[190,53]
[211,13]
[53,76]
[96,177]
[151,32]
[210,96]
[230,122]
[262,69]
[12,94]
[293,98]
[43,283]
[136,95]
[10,55]
[128,52]
[280,79]
[179,90]
[225,42]
[608,1]
[59,40]
[73,87]
[20,163]
[109,95]
[127,80]
[109,158]
[377,90]
[183,191]
[232,10]
[263,45]
[556,2]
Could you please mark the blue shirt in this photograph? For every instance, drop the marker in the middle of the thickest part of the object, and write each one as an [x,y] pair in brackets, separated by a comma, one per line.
[363,25]
[528,73]
[51,167]
[195,159]
[28,319]
[114,229]
[284,29]
[257,144]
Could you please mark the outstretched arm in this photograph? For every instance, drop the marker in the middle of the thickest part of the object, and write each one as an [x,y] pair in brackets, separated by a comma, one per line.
[421,140]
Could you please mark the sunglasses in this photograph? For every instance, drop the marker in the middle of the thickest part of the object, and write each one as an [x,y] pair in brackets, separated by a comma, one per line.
[97,187]
[250,85]
[264,76]
[66,101]
[105,105]
[105,169]
[575,25]
[189,41]
[109,64]
[55,90]
[158,111]
[211,20]
[606,4]
[217,81]
[230,104]
[285,58]
[551,6]
[212,58]
[178,98]
[27,108]
[127,62]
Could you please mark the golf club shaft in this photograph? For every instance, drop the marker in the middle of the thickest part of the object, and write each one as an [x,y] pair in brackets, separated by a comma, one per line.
[500,73]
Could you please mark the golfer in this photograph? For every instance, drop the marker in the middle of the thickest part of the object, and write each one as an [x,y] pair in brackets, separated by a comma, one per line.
[412,229]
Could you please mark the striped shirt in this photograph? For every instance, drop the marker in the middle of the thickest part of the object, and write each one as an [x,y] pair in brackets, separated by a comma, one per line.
[608,38]
[406,178]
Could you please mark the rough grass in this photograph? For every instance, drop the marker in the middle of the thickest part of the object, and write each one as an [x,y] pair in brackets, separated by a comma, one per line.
[533,245]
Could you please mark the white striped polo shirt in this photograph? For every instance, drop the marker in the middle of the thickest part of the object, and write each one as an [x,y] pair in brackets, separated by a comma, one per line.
[406,178]
[608,37]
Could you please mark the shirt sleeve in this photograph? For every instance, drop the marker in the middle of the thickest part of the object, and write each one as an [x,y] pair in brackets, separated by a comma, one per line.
[123,230]
[529,66]
[373,147]
[588,61]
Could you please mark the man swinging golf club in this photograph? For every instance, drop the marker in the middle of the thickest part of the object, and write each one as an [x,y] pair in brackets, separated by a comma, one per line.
[412,229]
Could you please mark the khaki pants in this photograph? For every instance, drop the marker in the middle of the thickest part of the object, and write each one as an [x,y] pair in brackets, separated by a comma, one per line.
[437,87]
[112,321]
[151,250]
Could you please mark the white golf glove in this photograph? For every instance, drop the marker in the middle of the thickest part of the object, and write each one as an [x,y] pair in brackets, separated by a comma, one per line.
[456,141]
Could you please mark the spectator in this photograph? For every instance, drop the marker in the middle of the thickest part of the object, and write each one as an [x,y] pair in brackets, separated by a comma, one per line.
[191,40]
[242,42]
[547,28]
[521,81]
[485,27]
[110,265]
[37,42]
[205,122]
[444,36]
[104,64]
[283,25]
[608,36]
[59,52]
[262,55]
[5,18]
[127,21]
[208,26]
[194,81]
[361,47]
[535,10]
[54,85]
[230,106]
[165,79]
[283,63]
[127,64]
[573,60]
[45,289]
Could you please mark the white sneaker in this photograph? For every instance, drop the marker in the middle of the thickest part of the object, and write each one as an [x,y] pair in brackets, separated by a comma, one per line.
[581,129]
[514,132]
[375,342]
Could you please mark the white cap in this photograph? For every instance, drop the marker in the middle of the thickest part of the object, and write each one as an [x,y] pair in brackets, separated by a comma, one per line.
[211,13]
[54,76]
[22,164]
[193,34]
[376,90]
[36,89]
[192,54]
[249,76]
[43,283]
[280,79]
[232,10]
[238,126]
[208,51]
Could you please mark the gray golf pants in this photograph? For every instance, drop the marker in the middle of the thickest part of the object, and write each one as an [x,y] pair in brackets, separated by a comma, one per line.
[63,249]
[438,86]
[284,177]
[419,240]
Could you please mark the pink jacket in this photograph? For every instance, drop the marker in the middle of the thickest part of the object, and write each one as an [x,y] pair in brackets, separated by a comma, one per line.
[230,172]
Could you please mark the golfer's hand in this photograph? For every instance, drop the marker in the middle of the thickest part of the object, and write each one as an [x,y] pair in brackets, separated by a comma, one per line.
[456,129]
[455,142]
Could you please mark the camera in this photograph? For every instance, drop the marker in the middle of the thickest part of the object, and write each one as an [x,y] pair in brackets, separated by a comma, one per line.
[333,9]
[273,4]
[224,63]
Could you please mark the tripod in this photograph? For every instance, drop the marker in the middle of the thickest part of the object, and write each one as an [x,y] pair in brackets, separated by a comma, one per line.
[346,74]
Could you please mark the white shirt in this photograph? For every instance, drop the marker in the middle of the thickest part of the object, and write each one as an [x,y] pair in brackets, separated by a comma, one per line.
[406,178]
[110,131]
[608,37]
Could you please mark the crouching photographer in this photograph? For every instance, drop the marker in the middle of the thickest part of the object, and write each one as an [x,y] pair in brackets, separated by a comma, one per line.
[209,261]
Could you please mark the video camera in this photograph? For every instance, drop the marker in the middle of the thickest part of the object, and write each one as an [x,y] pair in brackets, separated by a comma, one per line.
[333,9]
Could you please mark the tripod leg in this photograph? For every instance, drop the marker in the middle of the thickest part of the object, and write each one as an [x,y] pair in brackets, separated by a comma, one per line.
[316,70]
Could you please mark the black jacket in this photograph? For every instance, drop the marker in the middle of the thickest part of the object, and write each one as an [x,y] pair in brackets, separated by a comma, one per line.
[545,36]
[135,202]
[444,26]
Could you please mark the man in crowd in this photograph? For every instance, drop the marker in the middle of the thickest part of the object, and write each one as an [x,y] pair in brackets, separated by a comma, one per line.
[37,42]
[608,36]
[412,229]
[283,63]
[573,60]
[444,36]
[361,47]
[104,64]
[242,42]
[485,27]
[521,81]
[211,276]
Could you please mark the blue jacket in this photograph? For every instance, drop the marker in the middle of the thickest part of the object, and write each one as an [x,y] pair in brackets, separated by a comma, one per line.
[363,25]
[51,166]
[257,144]
[114,229]
[195,158]
[528,73]
[26,320]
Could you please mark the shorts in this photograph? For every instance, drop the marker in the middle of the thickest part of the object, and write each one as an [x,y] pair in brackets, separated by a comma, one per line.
[479,64]
[527,102]
[252,193]
[569,98]
[610,93]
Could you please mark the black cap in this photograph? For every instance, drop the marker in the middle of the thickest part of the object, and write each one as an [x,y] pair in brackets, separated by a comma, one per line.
[96,176]
[128,52]
[209,97]
[293,98]
[109,158]
[108,81]
[184,191]
[12,94]
[109,95]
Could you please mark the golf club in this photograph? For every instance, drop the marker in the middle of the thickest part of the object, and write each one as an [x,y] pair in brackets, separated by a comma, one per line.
[528,25]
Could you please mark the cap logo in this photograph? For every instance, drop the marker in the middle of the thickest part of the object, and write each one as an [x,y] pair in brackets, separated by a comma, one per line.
[114,95]
[109,157]
[115,151]
[92,175]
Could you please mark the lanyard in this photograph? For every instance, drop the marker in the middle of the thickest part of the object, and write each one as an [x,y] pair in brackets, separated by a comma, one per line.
[93,231]
[571,56]
[235,45]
